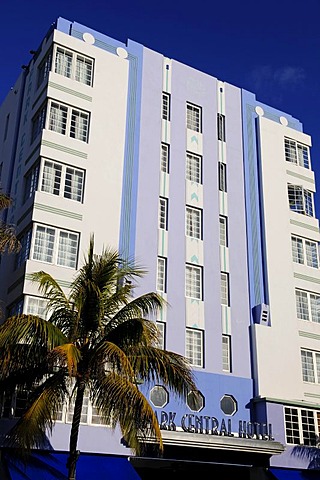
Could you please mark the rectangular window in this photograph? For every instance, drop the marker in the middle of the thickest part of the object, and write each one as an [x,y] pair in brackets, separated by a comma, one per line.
[163,213]
[31,182]
[305,252]
[296,153]
[36,306]
[225,288]
[165,106]
[38,122]
[63,180]
[194,222]
[165,151]
[194,282]
[221,119]
[300,200]
[194,168]
[194,347]
[69,121]
[223,225]
[226,353]
[44,69]
[56,246]
[310,361]
[162,334]
[194,118]
[162,274]
[23,254]
[74,65]
[308,306]
[302,426]
[222,176]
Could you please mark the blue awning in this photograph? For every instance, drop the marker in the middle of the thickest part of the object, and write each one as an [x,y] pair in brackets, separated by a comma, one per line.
[52,466]
[294,474]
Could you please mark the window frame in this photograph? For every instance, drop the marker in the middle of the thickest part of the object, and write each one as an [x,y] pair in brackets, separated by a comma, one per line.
[194,168]
[44,68]
[301,200]
[162,274]
[226,354]
[62,182]
[38,122]
[162,331]
[292,155]
[194,117]
[307,373]
[165,158]
[194,231]
[56,246]
[222,176]
[304,252]
[225,288]
[221,127]
[298,431]
[68,128]
[196,358]
[75,56]
[223,231]
[194,285]
[163,213]
[305,309]
[166,106]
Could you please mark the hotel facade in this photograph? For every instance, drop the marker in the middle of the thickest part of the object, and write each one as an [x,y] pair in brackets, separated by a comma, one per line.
[210,190]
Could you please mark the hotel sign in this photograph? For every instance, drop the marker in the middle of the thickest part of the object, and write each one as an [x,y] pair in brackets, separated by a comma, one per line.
[207,425]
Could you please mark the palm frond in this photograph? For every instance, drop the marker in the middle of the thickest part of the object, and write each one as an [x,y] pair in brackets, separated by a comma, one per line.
[51,290]
[154,365]
[132,331]
[46,402]
[5,201]
[119,401]
[108,356]
[8,239]
[67,354]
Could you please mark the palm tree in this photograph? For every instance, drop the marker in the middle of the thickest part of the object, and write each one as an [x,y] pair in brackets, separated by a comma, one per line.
[8,240]
[97,339]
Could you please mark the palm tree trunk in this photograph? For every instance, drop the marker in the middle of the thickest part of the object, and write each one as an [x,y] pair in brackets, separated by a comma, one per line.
[73,453]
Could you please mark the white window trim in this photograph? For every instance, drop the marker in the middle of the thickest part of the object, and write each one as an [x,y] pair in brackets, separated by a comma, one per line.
[166,106]
[308,296]
[63,179]
[193,222]
[163,213]
[304,251]
[162,274]
[195,357]
[300,204]
[194,173]
[165,157]
[225,288]
[291,151]
[192,289]
[314,356]
[223,231]
[222,176]
[299,412]
[71,110]
[226,354]
[56,242]
[162,331]
[75,55]
[194,119]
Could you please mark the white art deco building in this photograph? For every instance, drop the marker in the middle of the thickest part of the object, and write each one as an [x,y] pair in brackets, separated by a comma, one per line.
[212,192]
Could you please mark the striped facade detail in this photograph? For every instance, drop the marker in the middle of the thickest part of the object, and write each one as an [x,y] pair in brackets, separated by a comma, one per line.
[314,336]
[304,225]
[312,395]
[97,43]
[307,278]
[62,283]
[62,148]
[301,177]
[70,91]
[57,211]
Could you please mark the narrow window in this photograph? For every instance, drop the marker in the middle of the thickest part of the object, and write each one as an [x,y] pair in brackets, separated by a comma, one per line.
[296,153]
[226,353]
[44,244]
[38,123]
[221,127]
[222,177]
[79,127]
[51,177]
[63,62]
[165,149]
[162,274]
[194,118]
[73,188]
[58,118]
[84,69]
[44,68]
[31,182]
[165,106]
[223,225]
[24,252]
[310,361]
[194,222]
[163,213]
[297,250]
[302,305]
[36,306]
[300,200]
[194,282]
[225,297]
[193,168]
[194,347]
[67,249]
[162,334]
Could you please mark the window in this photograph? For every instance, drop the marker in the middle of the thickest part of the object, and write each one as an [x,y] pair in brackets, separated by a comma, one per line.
[31,182]
[300,200]
[222,176]
[194,222]
[163,213]
[305,252]
[302,426]
[38,123]
[73,65]
[36,306]
[296,153]
[162,334]
[89,414]
[23,254]
[310,366]
[165,106]
[221,127]
[44,69]
[226,353]
[62,180]
[194,282]
[194,168]
[223,232]
[194,119]
[308,306]
[55,246]
[194,347]
[165,149]
[162,274]
[224,288]
[68,121]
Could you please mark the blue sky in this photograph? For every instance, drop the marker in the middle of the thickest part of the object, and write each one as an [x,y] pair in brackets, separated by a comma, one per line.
[271,48]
